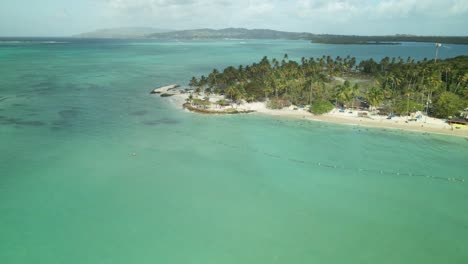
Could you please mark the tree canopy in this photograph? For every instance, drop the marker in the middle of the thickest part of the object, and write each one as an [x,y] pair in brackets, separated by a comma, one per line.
[393,85]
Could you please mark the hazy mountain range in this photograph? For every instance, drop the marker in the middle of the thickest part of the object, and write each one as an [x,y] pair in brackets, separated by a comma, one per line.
[242,33]
[227,33]
[124,32]
[230,33]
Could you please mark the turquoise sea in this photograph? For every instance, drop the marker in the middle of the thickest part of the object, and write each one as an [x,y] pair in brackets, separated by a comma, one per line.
[209,189]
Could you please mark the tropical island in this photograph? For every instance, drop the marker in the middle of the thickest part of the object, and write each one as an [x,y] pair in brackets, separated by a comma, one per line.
[244,33]
[425,95]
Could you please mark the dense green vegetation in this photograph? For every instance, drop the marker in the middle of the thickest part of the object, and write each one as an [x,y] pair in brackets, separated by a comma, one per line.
[385,40]
[243,33]
[230,33]
[393,85]
[321,107]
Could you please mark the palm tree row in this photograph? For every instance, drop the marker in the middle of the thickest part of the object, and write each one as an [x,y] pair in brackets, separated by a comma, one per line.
[392,85]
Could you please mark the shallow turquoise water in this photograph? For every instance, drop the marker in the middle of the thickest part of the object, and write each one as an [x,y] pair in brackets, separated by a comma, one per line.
[209,189]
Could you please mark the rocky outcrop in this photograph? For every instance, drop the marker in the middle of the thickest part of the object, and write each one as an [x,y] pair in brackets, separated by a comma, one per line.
[228,111]
[165,89]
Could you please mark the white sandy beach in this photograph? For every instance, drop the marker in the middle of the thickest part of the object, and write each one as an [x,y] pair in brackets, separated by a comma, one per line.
[424,125]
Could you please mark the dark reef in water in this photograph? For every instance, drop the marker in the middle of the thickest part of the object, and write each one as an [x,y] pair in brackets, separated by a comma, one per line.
[139,113]
[66,117]
[60,124]
[20,122]
[68,113]
[43,91]
[164,121]
[31,123]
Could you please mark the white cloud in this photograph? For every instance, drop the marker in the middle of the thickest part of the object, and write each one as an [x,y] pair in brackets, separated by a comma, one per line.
[382,8]
[259,7]
[329,11]
[320,16]
[62,14]
[459,7]
[390,8]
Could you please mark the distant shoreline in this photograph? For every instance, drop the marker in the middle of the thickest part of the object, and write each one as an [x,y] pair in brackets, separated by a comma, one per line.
[390,42]
[357,43]
[263,34]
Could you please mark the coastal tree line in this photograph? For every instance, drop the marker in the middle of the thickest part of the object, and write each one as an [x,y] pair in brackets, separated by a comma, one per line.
[391,85]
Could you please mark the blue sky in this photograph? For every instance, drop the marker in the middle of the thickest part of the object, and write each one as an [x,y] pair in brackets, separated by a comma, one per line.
[364,17]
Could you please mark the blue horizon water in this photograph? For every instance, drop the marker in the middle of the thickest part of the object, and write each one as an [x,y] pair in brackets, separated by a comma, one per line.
[209,189]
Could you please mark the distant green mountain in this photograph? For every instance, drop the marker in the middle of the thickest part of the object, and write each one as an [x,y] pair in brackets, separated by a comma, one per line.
[229,33]
[124,32]
[242,33]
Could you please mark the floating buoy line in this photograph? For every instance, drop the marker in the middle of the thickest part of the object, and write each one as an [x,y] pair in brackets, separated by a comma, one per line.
[322,164]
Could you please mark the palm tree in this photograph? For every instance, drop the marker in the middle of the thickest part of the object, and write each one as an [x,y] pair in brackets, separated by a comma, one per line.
[208,91]
[189,99]
[341,92]
[203,81]
[462,79]
[310,84]
[212,78]
[395,81]
[231,92]
[309,80]
[353,92]
[193,82]
[375,96]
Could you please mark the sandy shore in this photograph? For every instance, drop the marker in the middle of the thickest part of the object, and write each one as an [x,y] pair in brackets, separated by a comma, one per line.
[424,125]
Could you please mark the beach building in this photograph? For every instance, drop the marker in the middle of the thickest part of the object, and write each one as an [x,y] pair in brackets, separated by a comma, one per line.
[464,113]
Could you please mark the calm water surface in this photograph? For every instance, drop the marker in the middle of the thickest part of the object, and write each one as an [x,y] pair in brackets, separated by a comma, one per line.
[209,189]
